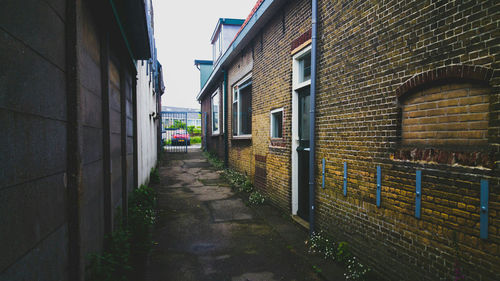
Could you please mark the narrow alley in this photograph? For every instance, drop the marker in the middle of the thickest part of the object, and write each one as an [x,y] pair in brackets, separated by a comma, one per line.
[208,232]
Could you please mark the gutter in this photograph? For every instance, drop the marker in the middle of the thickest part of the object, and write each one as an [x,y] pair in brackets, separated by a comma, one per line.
[312,114]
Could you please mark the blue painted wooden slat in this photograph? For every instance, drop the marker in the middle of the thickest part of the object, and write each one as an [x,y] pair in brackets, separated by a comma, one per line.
[418,193]
[345,178]
[379,184]
[483,218]
[323,174]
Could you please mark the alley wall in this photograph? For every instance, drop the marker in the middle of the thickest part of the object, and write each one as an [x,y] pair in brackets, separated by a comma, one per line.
[405,86]
[33,121]
[375,60]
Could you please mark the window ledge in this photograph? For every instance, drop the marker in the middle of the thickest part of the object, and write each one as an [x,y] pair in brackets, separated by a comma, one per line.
[247,137]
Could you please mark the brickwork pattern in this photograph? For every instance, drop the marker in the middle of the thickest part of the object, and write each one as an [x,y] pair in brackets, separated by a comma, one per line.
[371,53]
[447,115]
[374,56]
[273,85]
[241,156]
[271,89]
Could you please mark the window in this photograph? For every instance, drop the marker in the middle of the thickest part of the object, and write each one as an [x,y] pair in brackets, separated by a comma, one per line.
[215,113]
[304,67]
[242,108]
[277,123]
[301,97]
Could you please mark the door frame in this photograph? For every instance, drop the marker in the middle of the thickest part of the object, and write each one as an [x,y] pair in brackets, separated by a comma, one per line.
[296,86]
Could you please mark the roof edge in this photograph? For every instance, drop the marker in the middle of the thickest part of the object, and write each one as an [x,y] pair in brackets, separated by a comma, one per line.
[255,18]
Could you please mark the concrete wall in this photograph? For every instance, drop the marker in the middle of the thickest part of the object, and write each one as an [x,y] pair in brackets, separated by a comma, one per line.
[33,119]
[147,130]
[67,155]
[91,217]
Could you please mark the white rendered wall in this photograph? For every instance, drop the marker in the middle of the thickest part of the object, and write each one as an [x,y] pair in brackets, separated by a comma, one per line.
[146,126]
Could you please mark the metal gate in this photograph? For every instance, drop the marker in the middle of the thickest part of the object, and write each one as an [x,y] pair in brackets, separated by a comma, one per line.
[174,133]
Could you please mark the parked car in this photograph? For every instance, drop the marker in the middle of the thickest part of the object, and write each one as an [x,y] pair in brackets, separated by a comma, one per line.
[181,137]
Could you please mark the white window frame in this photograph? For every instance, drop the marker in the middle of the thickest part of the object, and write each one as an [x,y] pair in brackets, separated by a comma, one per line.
[296,86]
[216,93]
[236,98]
[272,123]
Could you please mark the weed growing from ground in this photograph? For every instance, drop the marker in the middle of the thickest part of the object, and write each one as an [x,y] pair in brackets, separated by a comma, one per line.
[356,270]
[213,160]
[128,245]
[320,243]
[154,176]
[256,198]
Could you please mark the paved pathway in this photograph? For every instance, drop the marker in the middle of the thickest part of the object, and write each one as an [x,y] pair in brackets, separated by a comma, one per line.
[207,232]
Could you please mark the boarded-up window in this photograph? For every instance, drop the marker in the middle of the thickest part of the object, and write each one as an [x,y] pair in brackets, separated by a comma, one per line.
[453,114]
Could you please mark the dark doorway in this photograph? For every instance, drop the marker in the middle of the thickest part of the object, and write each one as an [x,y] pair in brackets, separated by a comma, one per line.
[303,154]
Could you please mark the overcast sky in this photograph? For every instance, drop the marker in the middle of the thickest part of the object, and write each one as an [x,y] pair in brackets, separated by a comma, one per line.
[182,31]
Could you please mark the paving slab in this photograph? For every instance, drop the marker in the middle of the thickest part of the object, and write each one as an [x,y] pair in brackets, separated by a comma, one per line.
[205,231]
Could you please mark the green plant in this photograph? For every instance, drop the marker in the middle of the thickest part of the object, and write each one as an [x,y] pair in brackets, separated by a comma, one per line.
[320,243]
[256,198]
[343,254]
[128,245]
[114,263]
[154,176]
[212,159]
[195,140]
[356,270]
[317,269]
[141,216]
[238,181]
[197,131]
[178,124]
[247,186]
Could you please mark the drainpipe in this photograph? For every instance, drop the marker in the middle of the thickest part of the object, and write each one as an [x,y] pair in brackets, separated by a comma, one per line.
[226,141]
[312,114]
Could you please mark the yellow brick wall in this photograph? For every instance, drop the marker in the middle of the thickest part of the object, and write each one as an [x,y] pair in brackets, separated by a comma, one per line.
[367,50]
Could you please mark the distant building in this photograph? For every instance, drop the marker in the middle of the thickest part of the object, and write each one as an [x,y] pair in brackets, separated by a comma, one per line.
[193,117]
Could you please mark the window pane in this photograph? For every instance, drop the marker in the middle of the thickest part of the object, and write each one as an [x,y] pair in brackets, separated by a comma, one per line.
[246,111]
[235,118]
[305,68]
[304,116]
[215,113]
[277,123]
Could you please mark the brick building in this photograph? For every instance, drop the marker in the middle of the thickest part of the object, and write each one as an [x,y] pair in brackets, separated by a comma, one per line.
[406,127]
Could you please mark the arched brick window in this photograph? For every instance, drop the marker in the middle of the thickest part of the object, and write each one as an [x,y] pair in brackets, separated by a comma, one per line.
[445,116]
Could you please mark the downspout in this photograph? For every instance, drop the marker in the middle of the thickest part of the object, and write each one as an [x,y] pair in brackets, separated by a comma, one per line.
[226,141]
[312,115]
